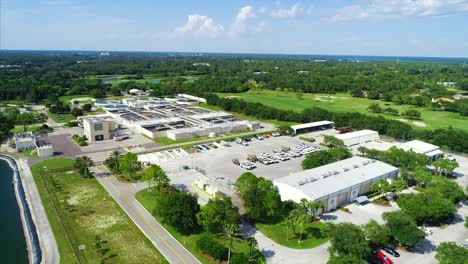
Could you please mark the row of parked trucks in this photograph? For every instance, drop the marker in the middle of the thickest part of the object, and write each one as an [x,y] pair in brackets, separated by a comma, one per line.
[284,154]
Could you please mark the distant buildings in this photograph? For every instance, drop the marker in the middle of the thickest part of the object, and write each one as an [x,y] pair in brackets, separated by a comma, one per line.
[336,184]
[29,141]
[447,84]
[201,64]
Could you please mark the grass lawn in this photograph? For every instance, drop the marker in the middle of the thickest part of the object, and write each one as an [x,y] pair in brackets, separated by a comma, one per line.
[88,210]
[345,103]
[312,236]
[61,118]
[188,241]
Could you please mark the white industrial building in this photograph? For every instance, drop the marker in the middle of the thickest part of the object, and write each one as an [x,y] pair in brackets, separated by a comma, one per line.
[29,141]
[336,184]
[358,137]
[431,151]
[312,127]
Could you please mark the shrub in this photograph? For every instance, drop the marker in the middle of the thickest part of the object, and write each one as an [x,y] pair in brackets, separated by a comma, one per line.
[81,141]
[239,258]
[211,247]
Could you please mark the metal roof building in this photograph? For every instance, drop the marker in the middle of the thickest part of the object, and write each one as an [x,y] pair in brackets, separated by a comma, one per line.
[336,184]
[311,127]
[358,137]
[432,151]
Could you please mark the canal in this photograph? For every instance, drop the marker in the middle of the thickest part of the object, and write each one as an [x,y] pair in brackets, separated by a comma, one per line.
[12,241]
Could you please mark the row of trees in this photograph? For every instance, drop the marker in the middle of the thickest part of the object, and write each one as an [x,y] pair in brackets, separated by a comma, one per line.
[410,113]
[126,165]
[324,157]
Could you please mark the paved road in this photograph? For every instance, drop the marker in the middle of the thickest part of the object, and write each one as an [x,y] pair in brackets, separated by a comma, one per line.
[124,195]
[277,254]
[50,253]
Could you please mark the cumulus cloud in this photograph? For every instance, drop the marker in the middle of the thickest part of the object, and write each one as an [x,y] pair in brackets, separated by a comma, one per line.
[381,9]
[241,23]
[290,12]
[199,26]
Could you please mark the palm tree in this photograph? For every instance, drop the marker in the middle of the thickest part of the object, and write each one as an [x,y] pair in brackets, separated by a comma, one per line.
[315,206]
[252,245]
[230,233]
[115,159]
[400,184]
[299,217]
[82,164]
[290,226]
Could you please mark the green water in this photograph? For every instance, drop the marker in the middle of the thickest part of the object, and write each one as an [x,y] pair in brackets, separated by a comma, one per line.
[12,241]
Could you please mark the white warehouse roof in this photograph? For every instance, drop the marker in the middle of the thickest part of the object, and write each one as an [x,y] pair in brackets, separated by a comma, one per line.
[319,182]
[420,147]
[313,124]
[356,134]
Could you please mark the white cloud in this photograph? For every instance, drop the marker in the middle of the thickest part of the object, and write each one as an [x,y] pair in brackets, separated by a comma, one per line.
[199,26]
[290,12]
[381,9]
[241,23]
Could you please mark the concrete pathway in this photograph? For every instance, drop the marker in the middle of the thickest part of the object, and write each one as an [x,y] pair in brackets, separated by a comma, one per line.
[124,195]
[277,254]
[50,253]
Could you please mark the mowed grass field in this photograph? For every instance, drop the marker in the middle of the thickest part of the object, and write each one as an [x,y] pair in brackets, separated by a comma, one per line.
[88,211]
[346,103]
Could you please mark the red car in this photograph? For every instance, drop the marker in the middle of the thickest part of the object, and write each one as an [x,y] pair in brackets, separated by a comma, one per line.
[383,258]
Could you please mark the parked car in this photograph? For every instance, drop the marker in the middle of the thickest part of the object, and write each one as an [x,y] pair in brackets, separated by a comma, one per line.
[243,143]
[236,162]
[383,258]
[449,157]
[391,251]
[275,134]
[248,165]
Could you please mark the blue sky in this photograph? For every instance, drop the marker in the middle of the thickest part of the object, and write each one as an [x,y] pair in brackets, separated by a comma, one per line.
[362,27]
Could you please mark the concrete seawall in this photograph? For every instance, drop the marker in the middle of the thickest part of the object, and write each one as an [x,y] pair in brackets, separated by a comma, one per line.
[29,227]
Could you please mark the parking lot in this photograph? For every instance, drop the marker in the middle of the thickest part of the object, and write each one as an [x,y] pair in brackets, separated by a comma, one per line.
[218,162]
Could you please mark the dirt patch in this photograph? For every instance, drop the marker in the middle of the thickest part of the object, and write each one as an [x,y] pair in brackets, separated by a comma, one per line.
[419,124]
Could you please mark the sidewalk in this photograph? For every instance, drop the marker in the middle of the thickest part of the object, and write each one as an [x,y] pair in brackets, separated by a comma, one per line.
[50,253]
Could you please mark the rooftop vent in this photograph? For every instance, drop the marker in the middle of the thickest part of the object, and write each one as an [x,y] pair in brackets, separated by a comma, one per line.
[300,183]
[345,169]
[355,166]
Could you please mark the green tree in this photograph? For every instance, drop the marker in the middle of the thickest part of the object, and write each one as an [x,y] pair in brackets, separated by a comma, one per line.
[290,225]
[426,207]
[178,209]
[113,161]
[26,120]
[253,248]
[451,253]
[399,184]
[449,189]
[421,176]
[381,187]
[346,259]
[156,177]
[378,235]
[403,228]
[347,239]
[332,142]
[129,164]
[87,107]
[375,107]
[230,233]
[76,112]
[444,166]
[300,217]
[216,213]
[82,164]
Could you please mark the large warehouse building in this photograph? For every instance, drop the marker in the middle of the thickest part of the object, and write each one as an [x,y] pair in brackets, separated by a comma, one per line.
[431,151]
[358,137]
[335,184]
[312,127]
